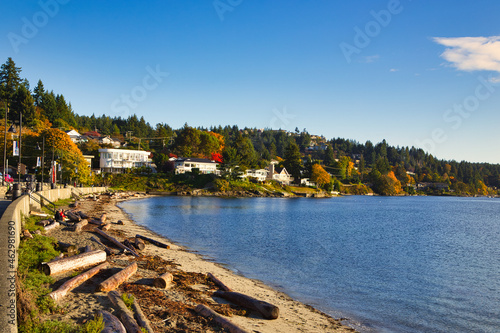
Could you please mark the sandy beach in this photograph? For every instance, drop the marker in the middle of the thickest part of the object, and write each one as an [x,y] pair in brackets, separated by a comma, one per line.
[171,309]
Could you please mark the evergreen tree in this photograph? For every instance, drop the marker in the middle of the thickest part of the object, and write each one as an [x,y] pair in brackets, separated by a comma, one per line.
[38,93]
[22,102]
[293,160]
[9,79]
[329,158]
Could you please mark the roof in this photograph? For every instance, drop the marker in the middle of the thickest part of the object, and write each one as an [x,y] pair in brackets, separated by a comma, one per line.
[192,159]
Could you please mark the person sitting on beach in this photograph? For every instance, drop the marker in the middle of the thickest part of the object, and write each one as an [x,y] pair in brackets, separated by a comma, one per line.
[59,216]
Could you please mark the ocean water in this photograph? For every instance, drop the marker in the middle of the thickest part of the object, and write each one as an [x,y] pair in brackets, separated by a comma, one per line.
[389,264]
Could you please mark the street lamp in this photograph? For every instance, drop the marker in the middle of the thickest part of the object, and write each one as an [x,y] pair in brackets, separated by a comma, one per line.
[5,143]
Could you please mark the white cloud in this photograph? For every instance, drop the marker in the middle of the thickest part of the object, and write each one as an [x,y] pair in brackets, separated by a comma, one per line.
[472,53]
[393,70]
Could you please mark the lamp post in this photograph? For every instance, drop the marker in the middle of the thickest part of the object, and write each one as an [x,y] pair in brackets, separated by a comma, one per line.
[5,143]
[20,145]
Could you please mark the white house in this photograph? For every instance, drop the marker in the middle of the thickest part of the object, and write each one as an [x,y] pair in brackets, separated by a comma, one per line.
[279,174]
[75,136]
[118,160]
[259,174]
[187,164]
[106,140]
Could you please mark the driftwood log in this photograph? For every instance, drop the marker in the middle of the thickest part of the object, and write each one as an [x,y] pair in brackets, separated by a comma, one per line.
[107,249]
[51,226]
[103,217]
[115,241]
[209,313]
[74,262]
[111,323]
[114,281]
[267,310]
[152,241]
[126,315]
[43,223]
[73,217]
[78,226]
[142,320]
[163,281]
[106,227]
[139,244]
[66,247]
[96,222]
[83,215]
[75,282]
[218,282]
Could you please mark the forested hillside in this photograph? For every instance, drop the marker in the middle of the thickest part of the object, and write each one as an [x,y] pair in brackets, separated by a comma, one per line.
[351,166]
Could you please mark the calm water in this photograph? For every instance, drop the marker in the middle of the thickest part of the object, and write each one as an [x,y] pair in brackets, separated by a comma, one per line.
[404,264]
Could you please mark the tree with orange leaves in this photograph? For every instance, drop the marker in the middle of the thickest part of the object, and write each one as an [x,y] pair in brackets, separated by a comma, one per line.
[319,175]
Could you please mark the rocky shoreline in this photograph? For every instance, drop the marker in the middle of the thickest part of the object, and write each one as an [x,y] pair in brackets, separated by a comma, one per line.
[240,194]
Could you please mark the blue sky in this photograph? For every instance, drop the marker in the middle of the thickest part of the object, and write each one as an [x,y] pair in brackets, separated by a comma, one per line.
[416,73]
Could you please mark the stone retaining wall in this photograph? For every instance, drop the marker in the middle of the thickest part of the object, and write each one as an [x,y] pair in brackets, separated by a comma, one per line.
[10,229]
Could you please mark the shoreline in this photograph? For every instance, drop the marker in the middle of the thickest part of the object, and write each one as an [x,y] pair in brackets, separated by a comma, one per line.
[294,316]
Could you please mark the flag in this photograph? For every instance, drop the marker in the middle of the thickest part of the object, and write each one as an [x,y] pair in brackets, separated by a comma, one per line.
[38,161]
[15,148]
[59,168]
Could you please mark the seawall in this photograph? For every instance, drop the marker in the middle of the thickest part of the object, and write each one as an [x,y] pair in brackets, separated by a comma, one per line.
[10,229]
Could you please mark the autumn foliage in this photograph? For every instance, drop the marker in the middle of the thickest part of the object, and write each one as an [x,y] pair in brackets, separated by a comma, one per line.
[319,175]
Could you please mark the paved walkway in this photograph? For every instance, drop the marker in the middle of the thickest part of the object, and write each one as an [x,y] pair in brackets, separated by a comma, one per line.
[7,273]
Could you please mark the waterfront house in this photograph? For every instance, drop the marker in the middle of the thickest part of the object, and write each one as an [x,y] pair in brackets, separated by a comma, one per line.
[279,174]
[119,160]
[259,174]
[187,164]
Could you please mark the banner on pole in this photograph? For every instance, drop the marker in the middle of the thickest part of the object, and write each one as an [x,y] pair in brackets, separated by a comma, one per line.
[38,162]
[15,149]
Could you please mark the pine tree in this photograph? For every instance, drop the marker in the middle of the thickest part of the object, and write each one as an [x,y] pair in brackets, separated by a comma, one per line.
[293,160]
[9,79]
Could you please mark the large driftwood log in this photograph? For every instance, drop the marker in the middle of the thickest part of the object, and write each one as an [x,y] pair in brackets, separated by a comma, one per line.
[152,241]
[139,244]
[218,282]
[73,217]
[115,241]
[209,313]
[74,262]
[267,310]
[114,281]
[78,226]
[142,320]
[76,281]
[51,226]
[126,315]
[111,323]
[163,281]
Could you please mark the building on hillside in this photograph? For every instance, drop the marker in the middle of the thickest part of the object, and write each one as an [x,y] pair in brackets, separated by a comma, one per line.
[107,140]
[76,137]
[259,174]
[279,174]
[187,164]
[118,160]
[307,182]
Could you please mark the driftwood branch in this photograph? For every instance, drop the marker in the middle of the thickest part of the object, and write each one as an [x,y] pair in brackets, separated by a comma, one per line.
[51,226]
[114,281]
[78,226]
[218,282]
[115,241]
[75,282]
[152,241]
[267,310]
[111,323]
[209,313]
[125,314]
[74,262]
[142,320]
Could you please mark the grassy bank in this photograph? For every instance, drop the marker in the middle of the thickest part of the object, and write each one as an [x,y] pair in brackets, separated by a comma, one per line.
[33,306]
